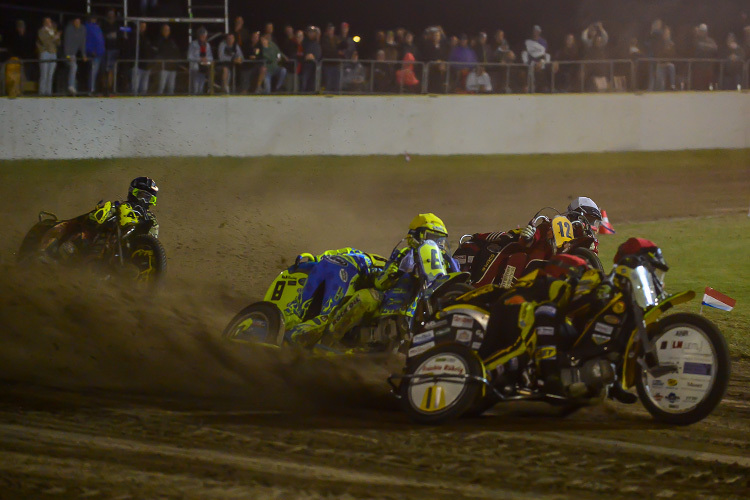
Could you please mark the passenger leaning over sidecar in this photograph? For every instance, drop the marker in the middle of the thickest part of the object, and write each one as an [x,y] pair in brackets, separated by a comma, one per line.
[334,275]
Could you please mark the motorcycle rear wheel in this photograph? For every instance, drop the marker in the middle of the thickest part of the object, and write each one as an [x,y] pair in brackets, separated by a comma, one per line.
[435,402]
[32,240]
[259,322]
[697,347]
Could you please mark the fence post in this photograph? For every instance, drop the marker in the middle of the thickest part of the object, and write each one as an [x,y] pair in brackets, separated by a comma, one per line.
[582,75]
[425,77]
[633,65]
[690,75]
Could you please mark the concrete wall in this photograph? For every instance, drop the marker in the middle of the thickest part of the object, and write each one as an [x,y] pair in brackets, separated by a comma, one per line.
[312,125]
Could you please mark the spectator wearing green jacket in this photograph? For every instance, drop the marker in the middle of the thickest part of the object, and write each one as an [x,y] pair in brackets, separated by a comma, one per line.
[272,56]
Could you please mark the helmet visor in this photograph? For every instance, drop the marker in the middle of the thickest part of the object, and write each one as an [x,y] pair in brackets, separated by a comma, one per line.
[439,238]
[144,196]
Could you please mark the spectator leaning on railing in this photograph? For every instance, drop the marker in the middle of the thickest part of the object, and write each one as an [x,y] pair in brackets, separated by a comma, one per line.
[733,68]
[478,81]
[141,73]
[665,70]
[329,45]
[242,35]
[48,40]
[94,50]
[167,50]
[382,73]
[112,46]
[272,56]
[74,43]
[354,74]
[200,57]
[256,73]
[408,47]
[536,58]
[312,53]
[21,44]
[230,57]
[347,46]
[566,75]
[463,58]
[704,47]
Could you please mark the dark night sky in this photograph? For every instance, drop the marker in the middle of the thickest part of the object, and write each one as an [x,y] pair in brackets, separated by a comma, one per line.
[557,17]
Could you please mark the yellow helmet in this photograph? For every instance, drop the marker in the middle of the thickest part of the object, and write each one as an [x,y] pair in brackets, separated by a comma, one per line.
[427,227]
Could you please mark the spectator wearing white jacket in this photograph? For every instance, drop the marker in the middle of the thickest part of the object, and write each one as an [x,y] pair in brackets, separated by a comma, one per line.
[201,58]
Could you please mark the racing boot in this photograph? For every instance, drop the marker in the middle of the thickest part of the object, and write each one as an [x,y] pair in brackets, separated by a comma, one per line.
[617,393]
[362,303]
[308,333]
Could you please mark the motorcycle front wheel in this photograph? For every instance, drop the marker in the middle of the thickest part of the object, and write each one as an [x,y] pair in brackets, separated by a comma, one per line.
[698,351]
[148,256]
[589,256]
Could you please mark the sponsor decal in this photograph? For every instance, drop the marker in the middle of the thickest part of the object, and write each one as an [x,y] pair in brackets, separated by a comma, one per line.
[658,396]
[302,281]
[545,330]
[508,277]
[336,260]
[657,383]
[696,368]
[603,328]
[434,324]
[663,344]
[693,346]
[545,310]
[420,349]
[546,352]
[479,333]
[343,275]
[462,321]
[672,382]
[672,397]
[611,319]
[600,339]
[476,345]
[677,344]
[681,333]
[423,337]
[443,331]
[674,406]
[691,399]
[461,259]
[478,292]
[470,259]
[618,307]
[464,336]
[695,385]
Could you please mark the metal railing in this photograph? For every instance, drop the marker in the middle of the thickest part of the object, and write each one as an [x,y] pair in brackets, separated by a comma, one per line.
[343,76]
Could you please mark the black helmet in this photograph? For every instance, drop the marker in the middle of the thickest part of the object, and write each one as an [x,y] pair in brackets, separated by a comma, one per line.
[143,191]
[586,207]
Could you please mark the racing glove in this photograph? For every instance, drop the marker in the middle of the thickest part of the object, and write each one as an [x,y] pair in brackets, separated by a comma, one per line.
[527,234]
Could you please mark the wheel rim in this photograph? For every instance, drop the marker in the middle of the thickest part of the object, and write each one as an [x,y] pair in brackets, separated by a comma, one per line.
[689,349]
[432,396]
[144,261]
[252,328]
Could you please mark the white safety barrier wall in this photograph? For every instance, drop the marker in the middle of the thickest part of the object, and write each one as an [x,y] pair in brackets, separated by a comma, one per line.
[346,125]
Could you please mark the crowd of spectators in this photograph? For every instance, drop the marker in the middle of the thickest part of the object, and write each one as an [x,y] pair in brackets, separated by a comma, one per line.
[96,56]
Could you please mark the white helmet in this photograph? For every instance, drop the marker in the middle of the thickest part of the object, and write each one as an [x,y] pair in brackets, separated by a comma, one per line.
[586,207]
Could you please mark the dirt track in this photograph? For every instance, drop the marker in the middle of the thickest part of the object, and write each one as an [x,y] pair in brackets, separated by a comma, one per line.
[107,395]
